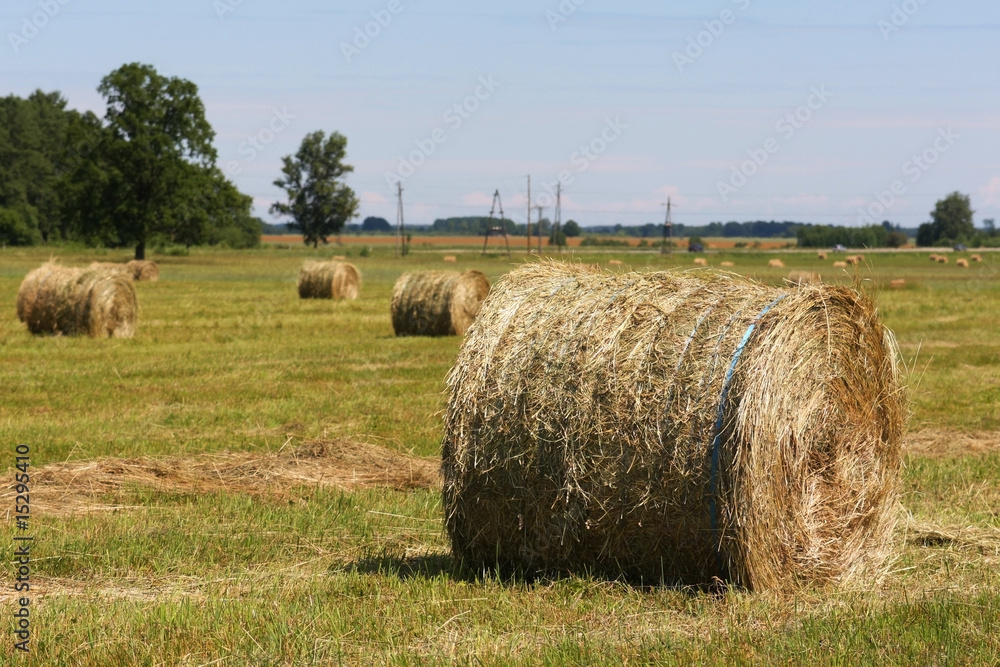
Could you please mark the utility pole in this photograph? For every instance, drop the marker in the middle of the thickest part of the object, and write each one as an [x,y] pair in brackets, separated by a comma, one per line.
[539,209]
[529,214]
[400,242]
[493,227]
[557,216]
[668,232]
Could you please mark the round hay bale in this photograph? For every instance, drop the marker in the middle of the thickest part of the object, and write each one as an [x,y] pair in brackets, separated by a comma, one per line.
[674,428]
[976,258]
[840,265]
[111,266]
[821,255]
[700,261]
[450,258]
[144,269]
[942,259]
[96,302]
[897,283]
[803,278]
[329,280]
[963,263]
[437,303]
[776,264]
[618,262]
[727,264]
[852,260]
[934,258]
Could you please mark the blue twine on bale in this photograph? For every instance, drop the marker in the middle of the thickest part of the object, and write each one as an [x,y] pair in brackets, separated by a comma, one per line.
[717,442]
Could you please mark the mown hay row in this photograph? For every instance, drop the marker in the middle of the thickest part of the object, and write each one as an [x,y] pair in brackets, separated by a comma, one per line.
[674,428]
[329,280]
[437,303]
[96,302]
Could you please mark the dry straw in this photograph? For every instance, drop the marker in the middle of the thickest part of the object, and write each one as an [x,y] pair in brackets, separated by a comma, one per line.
[329,280]
[144,269]
[97,302]
[137,269]
[674,428]
[437,303]
[803,278]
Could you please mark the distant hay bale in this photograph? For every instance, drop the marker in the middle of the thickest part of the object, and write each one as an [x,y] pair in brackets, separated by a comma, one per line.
[437,303]
[840,265]
[618,262]
[898,283]
[942,259]
[144,269]
[450,258]
[700,261]
[727,264]
[852,260]
[95,302]
[674,428]
[963,263]
[821,255]
[329,280]
[976,258]
[339,258]
[776,264]
[859,258]
[934,257]
[803,278]
[111,266]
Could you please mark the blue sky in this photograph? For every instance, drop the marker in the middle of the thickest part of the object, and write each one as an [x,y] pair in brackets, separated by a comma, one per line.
[734,109]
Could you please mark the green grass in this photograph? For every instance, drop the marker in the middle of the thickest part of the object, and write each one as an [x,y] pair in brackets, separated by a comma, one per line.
[228,358]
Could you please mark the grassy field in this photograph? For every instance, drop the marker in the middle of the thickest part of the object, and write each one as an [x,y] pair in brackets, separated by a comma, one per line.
[276,503]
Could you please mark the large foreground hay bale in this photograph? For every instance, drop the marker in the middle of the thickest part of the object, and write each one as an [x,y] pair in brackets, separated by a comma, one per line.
[437,303]
[144,269]
[329,280]
[97,302]
[674,428]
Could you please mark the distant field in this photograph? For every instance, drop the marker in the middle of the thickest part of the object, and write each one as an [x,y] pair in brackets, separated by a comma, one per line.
[252,480]
[520,242]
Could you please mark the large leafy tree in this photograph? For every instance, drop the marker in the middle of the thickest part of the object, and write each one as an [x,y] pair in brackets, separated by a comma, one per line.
[951,221]
[157,151]
[319,202]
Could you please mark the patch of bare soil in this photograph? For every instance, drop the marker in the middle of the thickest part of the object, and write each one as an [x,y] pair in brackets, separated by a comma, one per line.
[82,486]
[945,443]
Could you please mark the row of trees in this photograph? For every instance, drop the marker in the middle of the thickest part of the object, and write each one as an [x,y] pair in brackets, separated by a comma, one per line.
[144,173]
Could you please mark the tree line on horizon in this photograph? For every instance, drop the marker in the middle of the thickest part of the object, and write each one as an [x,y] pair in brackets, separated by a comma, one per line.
[146,174]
